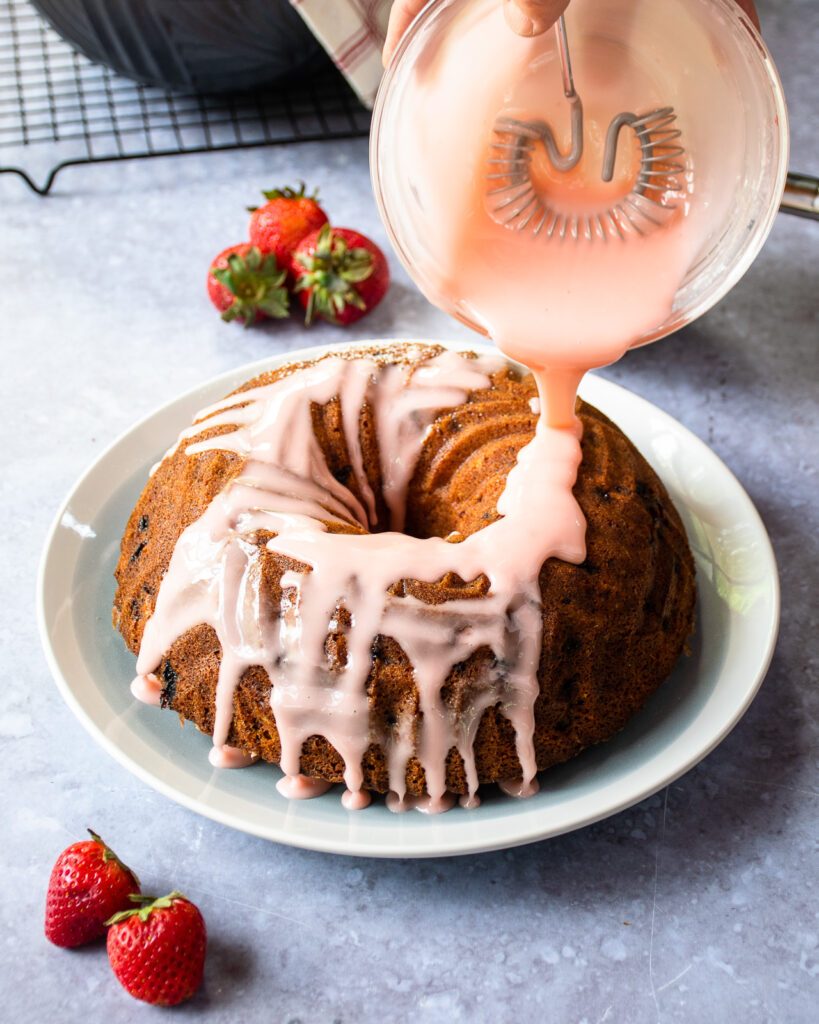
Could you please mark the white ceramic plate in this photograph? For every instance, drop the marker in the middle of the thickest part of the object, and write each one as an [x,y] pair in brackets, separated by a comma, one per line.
[737,615]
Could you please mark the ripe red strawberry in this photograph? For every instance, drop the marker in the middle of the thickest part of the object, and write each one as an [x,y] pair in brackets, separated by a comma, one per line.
[88,884]
[246,285]
[340,275]
[157,949]
[286,217]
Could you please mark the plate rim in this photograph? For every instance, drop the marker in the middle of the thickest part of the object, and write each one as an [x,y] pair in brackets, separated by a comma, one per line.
[436,848]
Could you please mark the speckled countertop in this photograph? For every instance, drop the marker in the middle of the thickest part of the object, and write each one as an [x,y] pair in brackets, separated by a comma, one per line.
[697,905]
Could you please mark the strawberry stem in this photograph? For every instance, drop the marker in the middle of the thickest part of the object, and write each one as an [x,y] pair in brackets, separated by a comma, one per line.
[290,193]
[108,854]
[331,273]
[286,193]
[147,905]
[256,282]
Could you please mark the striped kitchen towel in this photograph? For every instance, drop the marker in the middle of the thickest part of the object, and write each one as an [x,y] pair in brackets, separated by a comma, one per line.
[352,32]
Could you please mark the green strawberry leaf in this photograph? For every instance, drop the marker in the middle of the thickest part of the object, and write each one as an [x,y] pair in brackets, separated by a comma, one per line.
[147,905]
[330,272]
[257,284]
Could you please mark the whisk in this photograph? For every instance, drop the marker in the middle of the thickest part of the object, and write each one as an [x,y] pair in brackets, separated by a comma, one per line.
[647,206]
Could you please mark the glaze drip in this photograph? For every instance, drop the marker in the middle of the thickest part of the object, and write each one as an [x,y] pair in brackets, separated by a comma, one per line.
[286,488]
[230,757]
[148,689]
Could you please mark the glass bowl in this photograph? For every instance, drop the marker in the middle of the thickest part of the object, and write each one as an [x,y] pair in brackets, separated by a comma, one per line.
[718,75]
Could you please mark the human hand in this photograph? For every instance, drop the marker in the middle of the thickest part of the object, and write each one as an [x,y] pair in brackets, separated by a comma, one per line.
[526,17]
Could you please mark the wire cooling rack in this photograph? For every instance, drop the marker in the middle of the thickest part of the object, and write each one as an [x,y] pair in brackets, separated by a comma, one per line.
[58,109]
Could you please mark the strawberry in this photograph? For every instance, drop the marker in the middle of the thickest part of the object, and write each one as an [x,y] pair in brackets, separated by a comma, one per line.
[157,949]
[88,884]
[286,217]
[246,285]
[340,275]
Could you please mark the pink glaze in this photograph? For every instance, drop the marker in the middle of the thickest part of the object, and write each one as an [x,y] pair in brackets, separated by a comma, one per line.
[355,801]
[519,788]
[214,575]
[148,689]
[470,801]
[230,757]
[425,804]
[300,787]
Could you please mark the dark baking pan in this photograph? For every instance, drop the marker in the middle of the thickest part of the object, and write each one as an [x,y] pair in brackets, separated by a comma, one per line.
[200,45]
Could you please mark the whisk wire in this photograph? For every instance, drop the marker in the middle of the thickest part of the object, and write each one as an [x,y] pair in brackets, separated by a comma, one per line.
[661,163]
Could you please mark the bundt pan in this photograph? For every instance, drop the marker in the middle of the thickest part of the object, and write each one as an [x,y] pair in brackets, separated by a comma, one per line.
[197,45]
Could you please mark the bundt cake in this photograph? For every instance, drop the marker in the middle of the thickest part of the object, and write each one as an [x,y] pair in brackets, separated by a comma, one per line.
[345,568]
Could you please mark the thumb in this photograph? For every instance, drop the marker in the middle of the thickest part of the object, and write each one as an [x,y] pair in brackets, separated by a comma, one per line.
[532,17]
